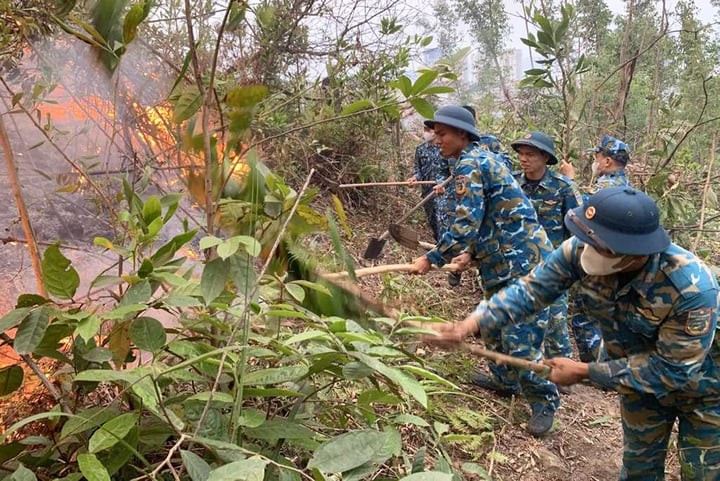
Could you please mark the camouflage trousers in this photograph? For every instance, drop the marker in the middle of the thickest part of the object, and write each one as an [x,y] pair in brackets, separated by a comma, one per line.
[444,211]
[431,214]
[647,424]
[557,337]
[587,333]
[523,340]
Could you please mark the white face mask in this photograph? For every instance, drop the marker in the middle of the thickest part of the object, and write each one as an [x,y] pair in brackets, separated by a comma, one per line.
[429,136]
[595,169]
[595,264]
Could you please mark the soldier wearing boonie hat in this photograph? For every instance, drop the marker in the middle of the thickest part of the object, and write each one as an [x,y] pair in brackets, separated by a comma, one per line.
[552,195]
[496,229]
[657,306]
[611,157]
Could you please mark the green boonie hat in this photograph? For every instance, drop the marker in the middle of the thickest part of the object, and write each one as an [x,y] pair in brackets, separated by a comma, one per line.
[620,219]
[455,116]
[539,140]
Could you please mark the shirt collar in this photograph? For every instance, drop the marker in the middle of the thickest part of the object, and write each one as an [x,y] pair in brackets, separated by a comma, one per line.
[544,181]
[646,278]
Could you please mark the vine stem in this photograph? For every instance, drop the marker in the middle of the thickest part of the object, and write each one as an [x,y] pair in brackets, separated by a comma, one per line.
[703,204]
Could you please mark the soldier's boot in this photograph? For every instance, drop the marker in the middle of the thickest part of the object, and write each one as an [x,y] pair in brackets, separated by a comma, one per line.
[541,420]
[486,382]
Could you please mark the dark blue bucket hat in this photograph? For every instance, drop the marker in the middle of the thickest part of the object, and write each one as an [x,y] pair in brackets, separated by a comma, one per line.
[455,116]
[612,147]
[621,219]
[539,140]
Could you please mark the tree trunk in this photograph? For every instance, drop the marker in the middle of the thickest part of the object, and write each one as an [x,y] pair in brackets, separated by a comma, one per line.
[22,209]
[626,73]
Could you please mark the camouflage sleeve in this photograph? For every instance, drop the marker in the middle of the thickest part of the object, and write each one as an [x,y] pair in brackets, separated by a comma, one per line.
[684,340]
[469,214]
[540,288]
[418,158]
[443,171]
[571,200]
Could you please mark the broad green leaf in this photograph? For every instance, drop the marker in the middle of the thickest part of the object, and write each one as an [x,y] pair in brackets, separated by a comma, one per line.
[30,300]
[474,468]
[148,334]
[429,476]
[133,18]
[279,428]
[10,450]
[357,107]
[221,397]
[11,378]
[88,327]
[187,104]
[297,292]
[410,419]
[405,85]
[61,279]
[106,375]
[137,294]
[356,370]
[87,419]
[13,318]
[197,468]
[306,336]
[22,474]
[424,81]
[122,312]
[274,375]
[31,331]
[422,372]
[252,246]
[404,381]
[438,89]
[111,432]
[251,417]
[348,451]
[92,468]
[210,241]
[98,355]
[228,247]
[152,209]
[423,107]
[214,277]
[252,469]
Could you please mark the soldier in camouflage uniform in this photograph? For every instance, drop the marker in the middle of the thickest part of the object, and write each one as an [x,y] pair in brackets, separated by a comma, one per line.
[611,157]
[428,163]
[657,306]
[446,199]
[552,196]
[496,227]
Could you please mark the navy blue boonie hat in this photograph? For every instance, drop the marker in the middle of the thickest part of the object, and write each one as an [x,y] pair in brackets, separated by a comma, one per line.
[620,219]
[614,148]
[539,140]
[455,116]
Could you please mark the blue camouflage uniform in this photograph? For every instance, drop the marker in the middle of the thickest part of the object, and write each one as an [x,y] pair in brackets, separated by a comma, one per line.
[663,356]
[497,224]
[552,196]
[446,203]
[586,331]
[428,162]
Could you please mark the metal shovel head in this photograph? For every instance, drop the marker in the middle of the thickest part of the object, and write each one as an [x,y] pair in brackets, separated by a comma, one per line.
[374,248]
[404,236]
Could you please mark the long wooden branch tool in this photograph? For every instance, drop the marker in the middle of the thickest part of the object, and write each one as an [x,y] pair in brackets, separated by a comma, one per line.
[367,271]
[387,184]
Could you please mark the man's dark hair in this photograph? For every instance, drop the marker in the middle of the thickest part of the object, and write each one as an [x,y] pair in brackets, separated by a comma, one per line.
[470,109]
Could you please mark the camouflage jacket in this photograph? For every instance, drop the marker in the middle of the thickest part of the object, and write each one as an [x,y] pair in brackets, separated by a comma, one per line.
[610,179]
[658,327]
[552,197]
[427,164]
[494,221]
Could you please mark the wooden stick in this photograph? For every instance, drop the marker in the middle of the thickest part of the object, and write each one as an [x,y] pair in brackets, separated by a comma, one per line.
[367,271]
[500,358]
[383,184]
